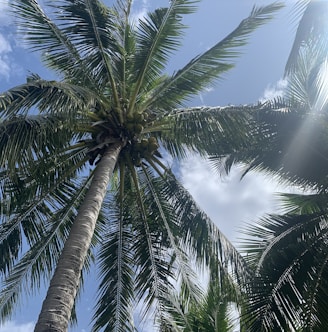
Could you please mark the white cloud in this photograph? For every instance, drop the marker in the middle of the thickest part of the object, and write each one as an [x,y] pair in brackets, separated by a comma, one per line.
[7,39]
[140,13]
[4,67]
[14,327]
[5,17]
[274,91]
[229,201]
[205,91]
[4,45]
[142,7]
[5,48]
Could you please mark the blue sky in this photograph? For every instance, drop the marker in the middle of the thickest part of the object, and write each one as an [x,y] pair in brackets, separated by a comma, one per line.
[228,201]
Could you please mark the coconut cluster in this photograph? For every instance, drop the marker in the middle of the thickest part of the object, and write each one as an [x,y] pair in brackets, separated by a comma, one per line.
[143,150]
[138,149]
[106,131]
[135,124]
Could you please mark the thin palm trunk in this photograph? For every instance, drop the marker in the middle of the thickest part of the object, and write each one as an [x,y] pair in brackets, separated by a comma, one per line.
[58,304]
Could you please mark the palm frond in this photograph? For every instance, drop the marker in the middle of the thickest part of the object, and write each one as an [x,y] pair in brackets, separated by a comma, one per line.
[291,261]
[209,130]
[198,233]
[321,88]
[152,260]
[311,28]
[89,25]
[304,203]
[307,84]
[113,310]
[208,67]
[212,313]
[189,286]
[39,261]
[42,34]
[48,96]
[288,130]
[24,139]
[126,35]
[27,201]
[157,36]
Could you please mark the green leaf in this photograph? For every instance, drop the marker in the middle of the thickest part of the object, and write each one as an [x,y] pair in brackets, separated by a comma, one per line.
[89,25]
[209,130]
[157,36]
[116,262]
[40,259]
[208,67]
[53,97]
[291,264]
[24,139]
[42,34]
[311,28]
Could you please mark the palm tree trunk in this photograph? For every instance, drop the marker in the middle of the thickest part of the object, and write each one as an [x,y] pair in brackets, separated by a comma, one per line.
[58,304]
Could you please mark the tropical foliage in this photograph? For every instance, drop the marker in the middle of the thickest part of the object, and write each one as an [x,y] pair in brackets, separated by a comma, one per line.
[288,290]
[216,311]
[112,117]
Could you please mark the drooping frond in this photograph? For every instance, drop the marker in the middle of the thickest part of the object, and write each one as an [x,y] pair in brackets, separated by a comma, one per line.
[46,96]
[172,226]
[38,262]
[209,130]
[153,254]
[42,34]
[289,287]
[29,197]
[24,139]
[159,254]
[291,147]
[113,310]
[197,232]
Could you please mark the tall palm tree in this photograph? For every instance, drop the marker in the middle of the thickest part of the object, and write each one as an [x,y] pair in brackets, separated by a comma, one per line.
[288,290]
[113,108]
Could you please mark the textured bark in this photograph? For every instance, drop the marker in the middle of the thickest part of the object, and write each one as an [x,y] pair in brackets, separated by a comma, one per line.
[58,304]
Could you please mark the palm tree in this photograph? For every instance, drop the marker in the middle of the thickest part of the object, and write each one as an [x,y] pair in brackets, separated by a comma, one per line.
[289,255]
[113,107]
[214,312]
[312,27]
[283,118]
[288,290]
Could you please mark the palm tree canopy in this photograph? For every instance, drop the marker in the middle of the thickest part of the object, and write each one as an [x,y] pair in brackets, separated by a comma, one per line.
[293,146]
[214,311]
[311,27]
[288,253]
[112,89]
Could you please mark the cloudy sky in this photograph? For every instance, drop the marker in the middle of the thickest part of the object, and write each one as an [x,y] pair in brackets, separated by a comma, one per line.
[228,201]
